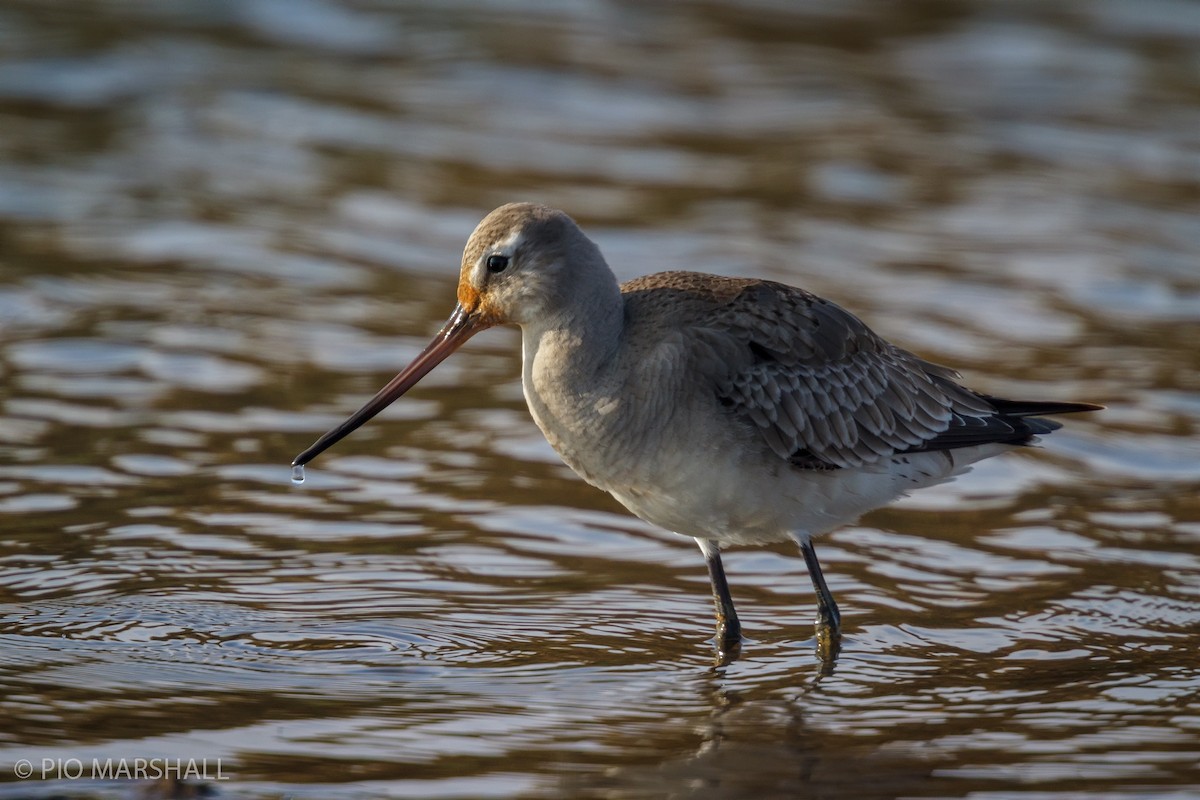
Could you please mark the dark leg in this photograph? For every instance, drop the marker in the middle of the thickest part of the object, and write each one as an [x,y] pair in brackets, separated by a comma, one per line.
[828,615]
[829,619]
[729,630]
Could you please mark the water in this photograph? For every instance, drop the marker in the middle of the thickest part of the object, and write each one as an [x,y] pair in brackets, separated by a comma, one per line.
[297,474]
[224,226]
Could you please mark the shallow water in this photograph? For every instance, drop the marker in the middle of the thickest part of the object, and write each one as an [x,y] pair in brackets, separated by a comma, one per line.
[224,226]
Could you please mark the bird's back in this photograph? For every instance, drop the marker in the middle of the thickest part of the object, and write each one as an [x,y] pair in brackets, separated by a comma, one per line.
[820,387]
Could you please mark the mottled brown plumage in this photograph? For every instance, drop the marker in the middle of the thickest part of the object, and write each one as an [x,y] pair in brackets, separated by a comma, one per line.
[823,390]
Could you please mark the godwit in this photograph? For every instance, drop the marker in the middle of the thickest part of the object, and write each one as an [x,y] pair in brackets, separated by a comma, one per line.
[734,411]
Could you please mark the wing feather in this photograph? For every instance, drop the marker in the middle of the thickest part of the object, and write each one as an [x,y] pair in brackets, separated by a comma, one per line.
[826,391]
[821,388]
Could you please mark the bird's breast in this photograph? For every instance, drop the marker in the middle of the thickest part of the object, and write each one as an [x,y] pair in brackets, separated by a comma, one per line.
[608,418]
[592,429]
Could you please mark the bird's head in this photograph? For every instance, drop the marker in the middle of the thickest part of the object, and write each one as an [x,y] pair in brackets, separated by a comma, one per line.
[523,263]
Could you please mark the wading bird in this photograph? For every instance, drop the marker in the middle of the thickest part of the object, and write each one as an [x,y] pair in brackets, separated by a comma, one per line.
[734,411]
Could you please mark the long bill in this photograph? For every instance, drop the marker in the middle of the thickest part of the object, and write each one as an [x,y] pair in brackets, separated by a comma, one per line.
[461,326]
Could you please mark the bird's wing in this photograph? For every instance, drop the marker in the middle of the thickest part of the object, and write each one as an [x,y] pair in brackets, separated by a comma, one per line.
[823,389]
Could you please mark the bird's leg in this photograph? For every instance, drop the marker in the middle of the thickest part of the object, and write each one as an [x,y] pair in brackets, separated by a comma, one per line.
[729,630]
[829,619]
[827,610]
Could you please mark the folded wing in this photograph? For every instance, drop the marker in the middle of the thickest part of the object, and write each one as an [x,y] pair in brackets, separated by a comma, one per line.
[826,392]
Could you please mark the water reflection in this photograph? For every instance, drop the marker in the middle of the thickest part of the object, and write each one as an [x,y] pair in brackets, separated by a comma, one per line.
[223,225]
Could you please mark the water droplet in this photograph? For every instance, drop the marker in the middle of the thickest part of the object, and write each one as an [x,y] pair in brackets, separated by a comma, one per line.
[297,474]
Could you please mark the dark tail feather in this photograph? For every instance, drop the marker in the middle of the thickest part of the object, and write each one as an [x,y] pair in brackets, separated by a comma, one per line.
[1037,425]
[1031,411]
[1037,408]
[1015,422]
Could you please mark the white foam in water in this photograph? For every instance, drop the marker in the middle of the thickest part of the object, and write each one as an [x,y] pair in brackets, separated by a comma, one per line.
[297,474]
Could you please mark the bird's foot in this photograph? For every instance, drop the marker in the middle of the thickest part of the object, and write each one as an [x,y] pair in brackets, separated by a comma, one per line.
[727,652]
[828,616]
[829,635]
[729,641]
[829,645]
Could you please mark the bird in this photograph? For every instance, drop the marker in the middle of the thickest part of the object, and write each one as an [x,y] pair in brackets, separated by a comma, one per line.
[736,411]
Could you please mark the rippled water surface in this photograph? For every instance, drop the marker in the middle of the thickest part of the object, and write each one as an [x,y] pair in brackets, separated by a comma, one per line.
[224,225]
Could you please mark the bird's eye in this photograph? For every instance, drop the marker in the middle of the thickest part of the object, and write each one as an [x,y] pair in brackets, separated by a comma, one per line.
[497,263]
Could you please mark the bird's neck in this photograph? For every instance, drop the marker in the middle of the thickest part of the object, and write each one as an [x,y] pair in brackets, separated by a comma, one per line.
[572,376]
[572,348]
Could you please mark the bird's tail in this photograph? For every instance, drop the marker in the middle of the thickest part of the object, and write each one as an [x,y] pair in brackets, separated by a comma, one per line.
[1031,410]
[1038,408]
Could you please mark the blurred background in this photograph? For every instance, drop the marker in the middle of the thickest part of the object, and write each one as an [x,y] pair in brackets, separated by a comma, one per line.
[225,223]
